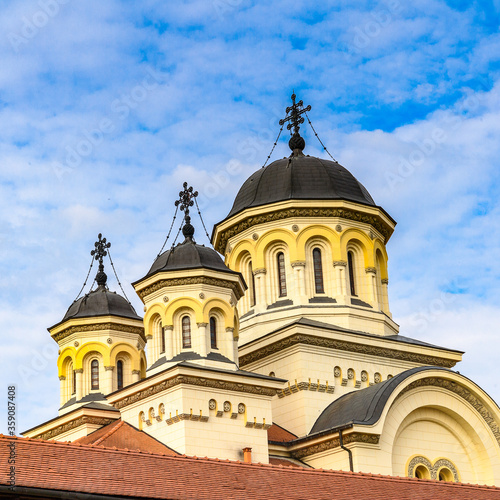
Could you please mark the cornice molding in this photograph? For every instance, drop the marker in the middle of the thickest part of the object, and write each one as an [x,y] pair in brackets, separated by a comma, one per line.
[353,437]
[194,280]
[94,327]
[196,381]
[343,213]
[85,419]
[461,391]
[343,345]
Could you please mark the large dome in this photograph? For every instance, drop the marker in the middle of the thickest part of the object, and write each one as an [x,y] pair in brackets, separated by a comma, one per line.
[101,302]
[300,178]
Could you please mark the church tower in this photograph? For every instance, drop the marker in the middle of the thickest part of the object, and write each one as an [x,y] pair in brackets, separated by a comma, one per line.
[101,343]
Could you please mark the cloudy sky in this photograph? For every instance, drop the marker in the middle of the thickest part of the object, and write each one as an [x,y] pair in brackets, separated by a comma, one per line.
[107,107]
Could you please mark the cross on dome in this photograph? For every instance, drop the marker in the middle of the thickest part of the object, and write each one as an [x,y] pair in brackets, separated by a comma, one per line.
[293,115]
[185,201]
[100,251]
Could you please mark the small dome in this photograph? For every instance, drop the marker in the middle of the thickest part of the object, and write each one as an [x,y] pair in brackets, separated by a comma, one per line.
[300,178]
[188,255]
[101,302]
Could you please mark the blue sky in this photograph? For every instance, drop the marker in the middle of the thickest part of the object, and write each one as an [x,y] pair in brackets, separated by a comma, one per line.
[106,108]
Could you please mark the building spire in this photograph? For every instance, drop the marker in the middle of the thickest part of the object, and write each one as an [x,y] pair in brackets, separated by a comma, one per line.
[185,201]
[99,253]
[293,115]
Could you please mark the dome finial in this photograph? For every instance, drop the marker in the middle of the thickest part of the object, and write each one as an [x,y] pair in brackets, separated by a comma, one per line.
[185,201]
[99,253]
[293,115]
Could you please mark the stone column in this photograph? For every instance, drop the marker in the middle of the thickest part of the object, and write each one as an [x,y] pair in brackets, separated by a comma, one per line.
[107,387]
[169,341]
[299,271]
[340,267]
[385,296]
[372,285]
[79,384]
[62,387]
[229,344]
[200,343]
[260,288]
[150,350]
[136,375]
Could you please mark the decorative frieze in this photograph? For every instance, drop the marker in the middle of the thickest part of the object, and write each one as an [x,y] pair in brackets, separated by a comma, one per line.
[345,213]
[94,327]
[186,416]
[83,420]
[193,280]
[306,386]
[343,345]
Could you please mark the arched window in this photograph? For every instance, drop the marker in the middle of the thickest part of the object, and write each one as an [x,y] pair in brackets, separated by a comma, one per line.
[281,274]
[252,284]
[73,389]
[318,271]
[94,371]
[352,277]
[213,333]
[119,374]
[162,339]
[186,332]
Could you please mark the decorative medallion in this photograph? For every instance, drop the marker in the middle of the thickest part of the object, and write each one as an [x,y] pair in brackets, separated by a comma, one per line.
[337,371]
[77,343]
[227,406]
[255,236]
[364,376]
[212,404]
[202,295]
[338,228]
[109,340]
[350,374]
[165,299]
[295,228]
[377,378]
[241,408]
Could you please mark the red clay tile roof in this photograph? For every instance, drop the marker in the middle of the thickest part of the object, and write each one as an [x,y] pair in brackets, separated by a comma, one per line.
[121,435]
[278,434]
[87,469]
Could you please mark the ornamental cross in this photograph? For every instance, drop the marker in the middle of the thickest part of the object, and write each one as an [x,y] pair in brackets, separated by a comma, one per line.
[186,198]
[100,249]
[295,117]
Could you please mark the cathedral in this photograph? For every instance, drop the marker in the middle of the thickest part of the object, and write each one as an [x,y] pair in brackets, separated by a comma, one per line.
[274,346]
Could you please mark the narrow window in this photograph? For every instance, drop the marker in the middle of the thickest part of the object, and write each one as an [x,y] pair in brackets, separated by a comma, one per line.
[94,370]
[352,277]
[281,274]
[213,333]
[252,285]
[119,374]
[74,382]
[186,332]
[162,339]
[318,271]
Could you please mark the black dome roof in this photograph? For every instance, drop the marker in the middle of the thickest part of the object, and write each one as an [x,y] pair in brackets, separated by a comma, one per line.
[101,302]
[300,178]
[188,255]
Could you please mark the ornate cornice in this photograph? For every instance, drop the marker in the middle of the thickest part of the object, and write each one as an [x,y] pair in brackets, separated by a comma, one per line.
[85,419]
[194,280]
[298,263]
[342,263]
[343,213]
[343,345]
[354,437]
[94,327]
[461,391]
[197,381]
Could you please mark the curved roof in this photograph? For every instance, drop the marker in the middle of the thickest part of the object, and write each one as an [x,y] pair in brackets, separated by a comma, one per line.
[300,177]
[188,255]
[101,302]
[364,406]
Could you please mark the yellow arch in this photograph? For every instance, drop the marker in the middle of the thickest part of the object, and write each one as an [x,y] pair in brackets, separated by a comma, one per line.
[179,303]
[379,248]
[234,260]
[99,347]
[322,232]
[226,309]
[151,313]
[67,352]
[361,237]
[122,347]
[274,236]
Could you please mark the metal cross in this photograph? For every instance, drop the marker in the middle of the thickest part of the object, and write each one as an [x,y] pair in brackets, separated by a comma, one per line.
[100,250]
[186,198]
[294,117]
